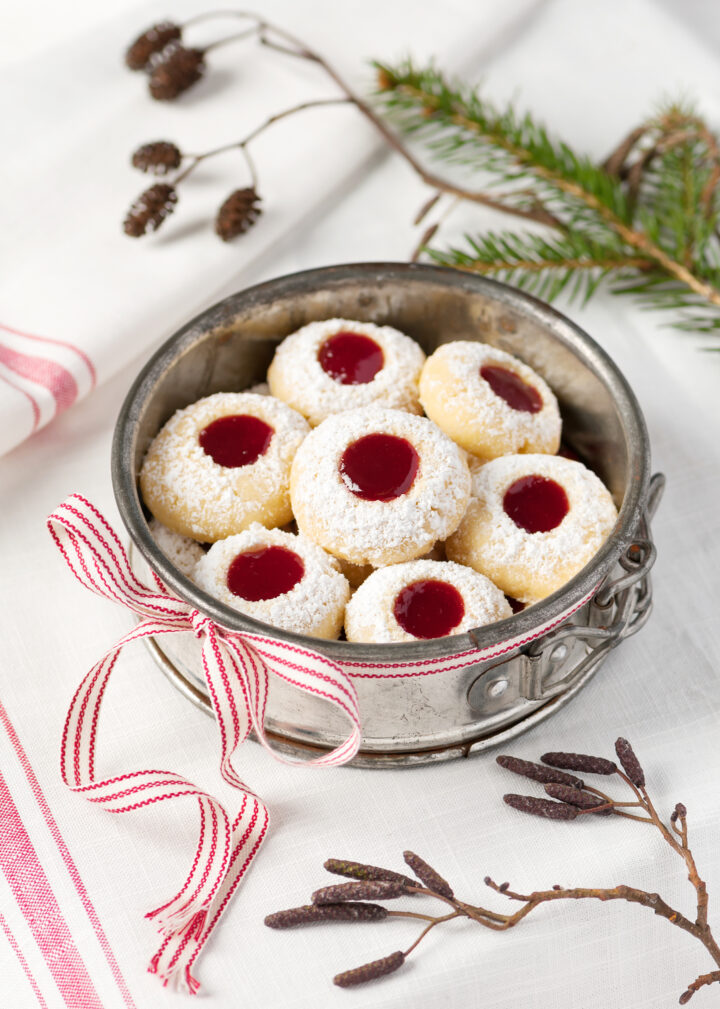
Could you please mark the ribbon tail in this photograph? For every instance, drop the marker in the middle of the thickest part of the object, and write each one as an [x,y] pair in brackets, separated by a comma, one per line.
[174,960]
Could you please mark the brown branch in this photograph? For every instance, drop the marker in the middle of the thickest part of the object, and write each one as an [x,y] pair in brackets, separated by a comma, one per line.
[699,983]
[537,265]
[615,162]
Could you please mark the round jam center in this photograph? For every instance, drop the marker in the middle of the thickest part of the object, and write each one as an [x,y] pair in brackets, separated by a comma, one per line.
[264,573]
[510,387]
[379,467]
[351,358]
[536,504]
[429,608]
[237,440]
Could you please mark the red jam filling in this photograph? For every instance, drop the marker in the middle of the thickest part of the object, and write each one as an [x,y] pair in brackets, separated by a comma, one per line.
[429,608]
[510,387]
[515,605]
[536,504]
[264,573]
[379,467]
[236,440]
[351,358]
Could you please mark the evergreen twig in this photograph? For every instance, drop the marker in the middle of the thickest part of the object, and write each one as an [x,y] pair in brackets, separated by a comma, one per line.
[646,220]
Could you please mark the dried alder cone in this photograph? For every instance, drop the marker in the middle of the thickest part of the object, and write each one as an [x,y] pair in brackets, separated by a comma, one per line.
[158,158]
[175,70]
[570,802]
[150,209]
[238,213]
[150,42]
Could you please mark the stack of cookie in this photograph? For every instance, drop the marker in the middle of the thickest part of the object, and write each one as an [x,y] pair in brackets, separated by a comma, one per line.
[372,489]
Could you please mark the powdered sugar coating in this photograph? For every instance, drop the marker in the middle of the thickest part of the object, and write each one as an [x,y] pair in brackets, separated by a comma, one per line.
[181,550]
[296,376]
[192,494]
[378,532]
[455,396]
[370,613]
[530,566]
[314,606]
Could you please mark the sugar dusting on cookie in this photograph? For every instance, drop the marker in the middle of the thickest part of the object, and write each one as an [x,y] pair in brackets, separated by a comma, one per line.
[378,532]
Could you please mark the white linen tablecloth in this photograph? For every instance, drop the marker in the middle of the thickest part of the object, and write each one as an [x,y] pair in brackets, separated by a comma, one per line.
[69,274]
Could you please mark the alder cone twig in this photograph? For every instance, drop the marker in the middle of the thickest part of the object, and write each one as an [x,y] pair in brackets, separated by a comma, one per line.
[424,872]
[176,70]
[237,214]
[370,971]
[359,870]
[379,889]
[311,914]
[536,772]
[580,762]
[150,42]
[630,763]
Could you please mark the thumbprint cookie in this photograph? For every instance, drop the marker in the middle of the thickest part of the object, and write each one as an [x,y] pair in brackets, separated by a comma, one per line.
[532,523]
[335,365]
[376,486]
[488,401]
[422,600]
[274,576]
[223,463]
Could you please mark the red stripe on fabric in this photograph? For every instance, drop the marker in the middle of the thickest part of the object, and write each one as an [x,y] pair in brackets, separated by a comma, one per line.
[31,889]
[23,962]
[53,376]
[58,343]
[33,402]
[67,858]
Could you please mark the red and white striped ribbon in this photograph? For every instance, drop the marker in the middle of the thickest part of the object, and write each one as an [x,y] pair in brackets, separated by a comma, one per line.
[237,668]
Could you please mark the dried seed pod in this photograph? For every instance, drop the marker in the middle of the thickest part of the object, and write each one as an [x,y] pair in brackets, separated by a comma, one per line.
[580,762]
[536,772]
[310,914]
[426,874]
[679,811]
[583,800]
[150,42]
[370,971]
[150,209]
[381,889]
[358,870]
[175,70]
[159,157]
[541,807]
[237,214]
[630,763]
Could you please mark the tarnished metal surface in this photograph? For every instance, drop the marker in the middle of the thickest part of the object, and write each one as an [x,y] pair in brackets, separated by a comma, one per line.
[428,718]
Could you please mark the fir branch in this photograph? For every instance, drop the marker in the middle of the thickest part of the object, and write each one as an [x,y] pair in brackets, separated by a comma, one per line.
[646,219]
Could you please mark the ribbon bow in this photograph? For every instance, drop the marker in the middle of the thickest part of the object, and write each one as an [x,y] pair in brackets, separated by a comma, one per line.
[237,668]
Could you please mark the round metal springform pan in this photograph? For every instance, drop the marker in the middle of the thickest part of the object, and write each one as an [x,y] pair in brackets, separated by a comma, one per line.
[413,720]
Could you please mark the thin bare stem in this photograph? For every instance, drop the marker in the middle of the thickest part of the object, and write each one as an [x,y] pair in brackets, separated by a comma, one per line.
[412,914]
[237,37]
[425,931]
[253,134]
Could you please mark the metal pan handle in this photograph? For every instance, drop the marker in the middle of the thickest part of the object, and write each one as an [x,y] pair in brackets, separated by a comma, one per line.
[619,609]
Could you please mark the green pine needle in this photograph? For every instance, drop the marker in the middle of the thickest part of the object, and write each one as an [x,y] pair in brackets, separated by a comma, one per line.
[646,223]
